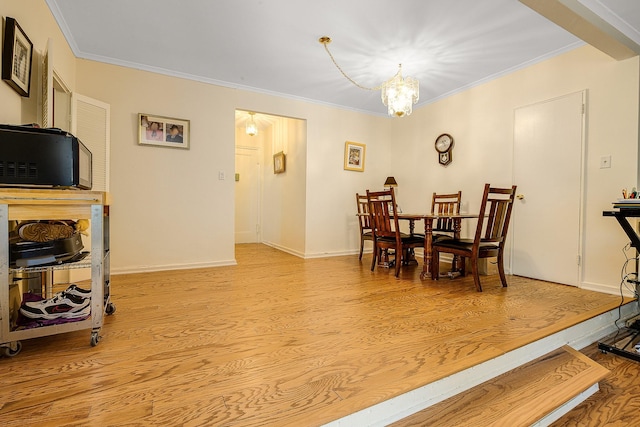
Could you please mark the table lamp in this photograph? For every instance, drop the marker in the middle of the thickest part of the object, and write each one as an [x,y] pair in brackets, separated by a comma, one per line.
[390,182]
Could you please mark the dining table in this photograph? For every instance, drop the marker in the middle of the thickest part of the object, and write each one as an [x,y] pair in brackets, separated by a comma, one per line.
[428,218]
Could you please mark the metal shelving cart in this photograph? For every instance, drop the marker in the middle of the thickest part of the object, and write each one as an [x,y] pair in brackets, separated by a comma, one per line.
[32,204]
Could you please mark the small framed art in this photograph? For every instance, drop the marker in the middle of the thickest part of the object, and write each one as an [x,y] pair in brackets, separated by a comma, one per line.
[17,55]
[354,156]
[279,162]
[163,131]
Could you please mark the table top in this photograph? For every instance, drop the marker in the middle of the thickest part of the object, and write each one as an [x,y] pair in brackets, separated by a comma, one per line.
[403,215]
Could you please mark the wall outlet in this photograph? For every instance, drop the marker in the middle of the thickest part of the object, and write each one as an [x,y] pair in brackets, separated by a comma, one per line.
[605,162]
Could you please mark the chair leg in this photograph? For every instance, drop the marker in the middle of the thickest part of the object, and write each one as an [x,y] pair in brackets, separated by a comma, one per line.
[399,259]
[435,264]
[503,277]
[476,275]
[374,258]
[384,257]
[361,247]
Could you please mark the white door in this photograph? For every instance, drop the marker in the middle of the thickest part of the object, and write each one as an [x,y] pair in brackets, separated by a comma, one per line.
[91,123]
[548,170]
[248,194]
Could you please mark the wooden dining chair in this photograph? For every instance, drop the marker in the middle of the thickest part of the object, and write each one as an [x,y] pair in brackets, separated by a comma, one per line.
[489,239]
[445,204]
[366,232]
[386,231]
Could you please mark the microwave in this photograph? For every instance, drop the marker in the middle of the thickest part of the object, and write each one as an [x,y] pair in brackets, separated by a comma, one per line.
[43,157]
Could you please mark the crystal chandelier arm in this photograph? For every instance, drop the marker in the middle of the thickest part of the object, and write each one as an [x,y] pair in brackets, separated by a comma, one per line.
[325,41]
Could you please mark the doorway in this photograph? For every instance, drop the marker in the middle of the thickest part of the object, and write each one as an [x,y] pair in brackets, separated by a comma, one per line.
[271,201]
[548,168]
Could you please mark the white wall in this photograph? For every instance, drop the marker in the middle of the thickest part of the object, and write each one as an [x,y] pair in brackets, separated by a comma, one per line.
[169,209]
[332,227]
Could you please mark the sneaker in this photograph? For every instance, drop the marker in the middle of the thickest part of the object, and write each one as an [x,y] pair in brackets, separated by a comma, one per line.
[78,315]
[77,291]
[61,306]
[44,232]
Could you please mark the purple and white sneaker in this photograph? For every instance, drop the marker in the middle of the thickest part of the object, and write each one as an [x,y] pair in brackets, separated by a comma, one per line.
[77,291]
[61,306]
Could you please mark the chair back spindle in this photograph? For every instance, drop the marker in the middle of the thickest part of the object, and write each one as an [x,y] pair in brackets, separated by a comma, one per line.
[386,232]
[364,221]
[495,212]
[363,210]
[445,204]
[381,208]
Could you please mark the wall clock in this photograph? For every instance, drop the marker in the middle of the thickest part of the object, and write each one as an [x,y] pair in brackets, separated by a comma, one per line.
[444,145]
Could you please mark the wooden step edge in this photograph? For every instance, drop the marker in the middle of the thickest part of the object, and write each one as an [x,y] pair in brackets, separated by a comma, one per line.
[542,405]
[521,396]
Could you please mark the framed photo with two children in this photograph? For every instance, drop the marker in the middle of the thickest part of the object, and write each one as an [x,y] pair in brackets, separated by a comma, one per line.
[163,131]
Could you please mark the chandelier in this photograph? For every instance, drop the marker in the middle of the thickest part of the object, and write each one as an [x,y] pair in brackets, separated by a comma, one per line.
[251,128]
[398,93]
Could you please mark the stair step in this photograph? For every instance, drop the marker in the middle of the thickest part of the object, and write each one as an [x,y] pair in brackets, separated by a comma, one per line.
[520,397]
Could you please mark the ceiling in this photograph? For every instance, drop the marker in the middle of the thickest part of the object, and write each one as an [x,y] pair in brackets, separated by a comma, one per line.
[271,46]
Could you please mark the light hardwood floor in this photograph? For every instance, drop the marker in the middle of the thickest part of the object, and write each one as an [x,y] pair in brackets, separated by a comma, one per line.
[275,340]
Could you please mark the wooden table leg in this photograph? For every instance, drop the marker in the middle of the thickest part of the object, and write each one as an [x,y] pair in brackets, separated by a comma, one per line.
[457,227]
[410,257]
[428,238]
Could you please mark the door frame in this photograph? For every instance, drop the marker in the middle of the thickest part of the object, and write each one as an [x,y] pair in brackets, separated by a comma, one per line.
[582,179]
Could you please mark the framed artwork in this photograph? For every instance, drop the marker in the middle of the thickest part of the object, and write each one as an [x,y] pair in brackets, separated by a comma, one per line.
[354,156]
[17,55]
[279,162]
[163,131]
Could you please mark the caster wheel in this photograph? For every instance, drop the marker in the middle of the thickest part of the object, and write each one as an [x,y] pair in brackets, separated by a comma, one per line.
[95,339]
[12,350]
[110,309]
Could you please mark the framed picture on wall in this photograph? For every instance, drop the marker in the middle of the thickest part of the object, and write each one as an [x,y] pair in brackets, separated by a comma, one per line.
[354,156]
[17,55]
[279,162]
[163,131]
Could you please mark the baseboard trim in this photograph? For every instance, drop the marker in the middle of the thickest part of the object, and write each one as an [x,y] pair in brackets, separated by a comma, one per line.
[334,254]
[167,267]
[285,249]
[608,289]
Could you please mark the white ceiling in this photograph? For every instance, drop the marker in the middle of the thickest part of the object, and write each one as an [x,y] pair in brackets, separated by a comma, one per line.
[271,46]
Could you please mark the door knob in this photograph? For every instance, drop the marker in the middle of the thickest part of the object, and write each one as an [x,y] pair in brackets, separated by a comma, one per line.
[520,196]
